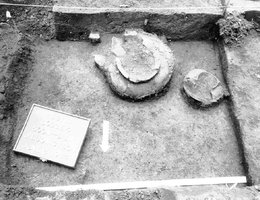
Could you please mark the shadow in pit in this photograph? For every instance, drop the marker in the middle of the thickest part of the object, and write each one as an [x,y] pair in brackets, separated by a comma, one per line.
[197,104]
[150,98]
[175,26]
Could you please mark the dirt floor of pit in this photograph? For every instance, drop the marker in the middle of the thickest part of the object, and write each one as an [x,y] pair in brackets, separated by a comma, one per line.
[158,139]
[139,3]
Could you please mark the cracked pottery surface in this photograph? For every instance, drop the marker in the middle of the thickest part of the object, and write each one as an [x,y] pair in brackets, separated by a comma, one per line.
[203,86]
[139,64]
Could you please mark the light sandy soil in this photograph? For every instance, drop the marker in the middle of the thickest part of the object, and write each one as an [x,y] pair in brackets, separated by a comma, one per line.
[140,3]
[161,138]
[244,3]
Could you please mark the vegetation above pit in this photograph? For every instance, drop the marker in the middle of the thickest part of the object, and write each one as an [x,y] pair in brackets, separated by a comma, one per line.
[234,27]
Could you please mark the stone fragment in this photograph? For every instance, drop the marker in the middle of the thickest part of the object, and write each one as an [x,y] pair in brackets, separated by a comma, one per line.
[130,32]
[116,47]
[124,6]
[100,60]
[203,87]
[8,14]
[44,198]
[145,22]
[94,37]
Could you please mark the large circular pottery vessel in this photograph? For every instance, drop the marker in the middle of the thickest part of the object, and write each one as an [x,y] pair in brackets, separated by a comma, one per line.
[139,65]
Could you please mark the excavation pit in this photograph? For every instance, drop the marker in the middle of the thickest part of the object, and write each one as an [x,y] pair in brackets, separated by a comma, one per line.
[161,137]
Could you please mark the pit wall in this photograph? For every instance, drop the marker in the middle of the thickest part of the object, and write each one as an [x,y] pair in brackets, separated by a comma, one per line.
[253,15]
[175,25]
[14,78]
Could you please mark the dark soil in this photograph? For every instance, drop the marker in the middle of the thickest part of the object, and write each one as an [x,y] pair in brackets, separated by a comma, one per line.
[19,193]
[15,65]
[31,21]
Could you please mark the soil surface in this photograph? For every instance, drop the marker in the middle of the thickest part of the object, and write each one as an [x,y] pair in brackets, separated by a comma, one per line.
[139,3]
[244,79]
[163,138]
